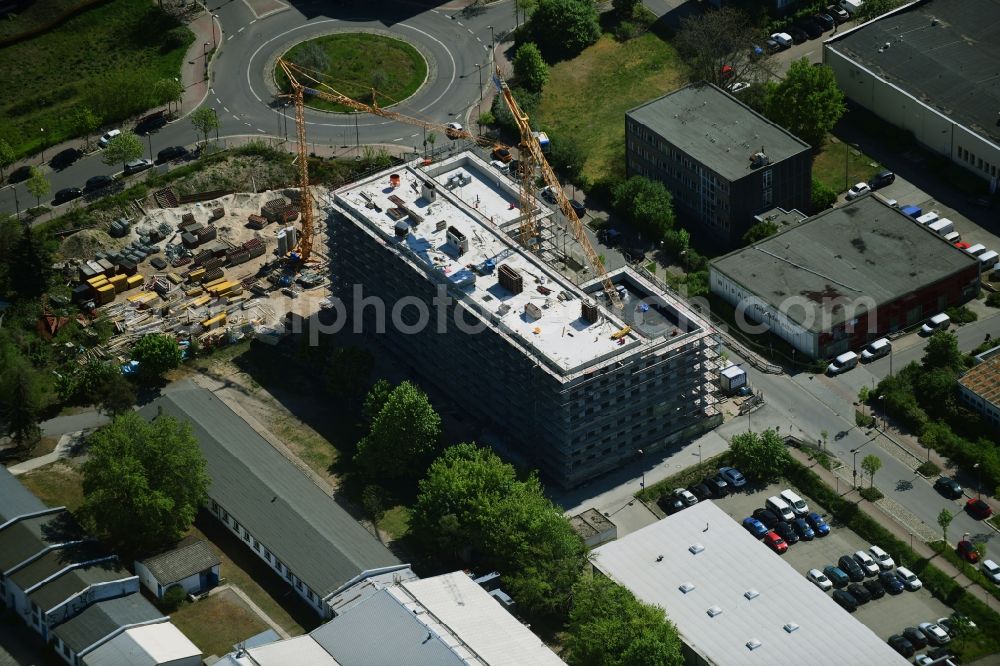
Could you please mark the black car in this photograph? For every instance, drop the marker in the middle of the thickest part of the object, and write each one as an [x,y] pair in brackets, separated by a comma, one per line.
[701,491]
[786,532]
[798,34]
[890,581]
[578,208]
[19,174]
[766,517]
[839,14]
[771,46]
[948,487]
[824,20]
[171,153]
[150,125]
[98,183]
[670,504]
[65,158]
[916,637]
[874,588]
[802,528]
[846,600]
[717,485]
[67,194]
[811,28]
[881,179]
[901,645]
[860,593]
[850,566]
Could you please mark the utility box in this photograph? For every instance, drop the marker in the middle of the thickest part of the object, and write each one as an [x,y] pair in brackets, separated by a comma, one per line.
[732,379]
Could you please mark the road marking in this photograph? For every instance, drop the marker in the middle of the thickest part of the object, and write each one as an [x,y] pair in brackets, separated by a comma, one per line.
[399,139]
[241,30]
[253,21]
[260,130]
[413,136]
[486,48]
[458,22]
[211,90]
[247,124]
[218,101]
[470,31]
[236,116]
[479,39]
[434,11]
[230,37]
[226,109]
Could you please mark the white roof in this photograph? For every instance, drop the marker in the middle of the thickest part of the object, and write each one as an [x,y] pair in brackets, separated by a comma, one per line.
[148,645]
[730,564]
[733,371]
[301,651]
[478,209]
[478,620]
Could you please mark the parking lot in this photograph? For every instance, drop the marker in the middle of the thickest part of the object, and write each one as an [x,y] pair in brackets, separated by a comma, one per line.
[886,616]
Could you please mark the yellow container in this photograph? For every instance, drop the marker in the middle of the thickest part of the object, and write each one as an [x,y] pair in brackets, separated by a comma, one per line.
[133,281]
[235,290]
[197,291]
[97,280]
[214,282]
[196,275]
[106,293]
[175,278]
[141,296]
[217,320]
[200,301]
[119,282]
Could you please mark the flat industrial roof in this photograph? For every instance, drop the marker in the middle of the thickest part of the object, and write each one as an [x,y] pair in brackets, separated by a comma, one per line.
[865,248]
[477,209]
[150,645]
[716,129]
[983,379]
[942,52]
[730,567]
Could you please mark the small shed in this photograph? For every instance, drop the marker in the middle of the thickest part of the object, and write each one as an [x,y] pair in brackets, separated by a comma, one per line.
[190,564]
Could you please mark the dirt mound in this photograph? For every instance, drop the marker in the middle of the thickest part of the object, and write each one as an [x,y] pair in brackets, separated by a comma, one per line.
[83,244]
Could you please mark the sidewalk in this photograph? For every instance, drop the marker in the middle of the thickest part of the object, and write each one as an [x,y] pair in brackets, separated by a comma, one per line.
[62,450]
[194,69]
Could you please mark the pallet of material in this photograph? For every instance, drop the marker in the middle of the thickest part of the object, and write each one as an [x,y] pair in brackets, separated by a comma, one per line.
[213,283]
[142,297]
[199,302]
[218,213]
[175,278]
[217,320]
[105,294]
[196,275]
[257,222]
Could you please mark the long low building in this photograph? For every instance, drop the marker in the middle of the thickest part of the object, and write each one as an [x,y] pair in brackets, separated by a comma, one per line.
[732,599]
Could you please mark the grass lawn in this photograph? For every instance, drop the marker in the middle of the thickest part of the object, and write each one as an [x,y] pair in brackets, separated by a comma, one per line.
[38,15]
[358,62]
[56,484]
[396,522]
[107,59]
[829,165]
[218,622]
[587,97]
[310,447]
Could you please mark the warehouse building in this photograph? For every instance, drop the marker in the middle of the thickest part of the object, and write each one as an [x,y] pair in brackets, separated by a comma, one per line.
[425,268]
[979,388]
[732,599]
[722,161]
[844,278]
[930,67]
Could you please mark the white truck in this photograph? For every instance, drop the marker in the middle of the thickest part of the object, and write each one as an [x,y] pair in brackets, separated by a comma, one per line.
[942,227]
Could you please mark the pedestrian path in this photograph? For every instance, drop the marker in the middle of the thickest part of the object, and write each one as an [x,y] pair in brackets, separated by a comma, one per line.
[63,449]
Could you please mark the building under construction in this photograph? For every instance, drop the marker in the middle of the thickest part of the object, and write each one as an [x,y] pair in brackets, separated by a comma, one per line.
[563,379]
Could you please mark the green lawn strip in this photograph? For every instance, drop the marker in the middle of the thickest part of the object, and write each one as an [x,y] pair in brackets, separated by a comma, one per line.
[356,63]
[56,484]
[39,15]
[396,522]
[107,58]
[218,622]
[586,97]
[972,572]
[832,164]
[683,479]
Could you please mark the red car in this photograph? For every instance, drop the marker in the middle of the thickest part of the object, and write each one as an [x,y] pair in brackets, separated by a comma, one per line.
[977,508]
[775,542]
[967,551]
[962,245]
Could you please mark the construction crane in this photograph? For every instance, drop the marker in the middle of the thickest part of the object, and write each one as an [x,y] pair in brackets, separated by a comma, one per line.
[529,148]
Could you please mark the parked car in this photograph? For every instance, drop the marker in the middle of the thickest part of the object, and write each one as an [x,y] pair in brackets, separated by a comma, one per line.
[802,528]
[860,593]
[768,518]
[836,576]
[65,158]
[775,543]
[717,485]
[754,527]
[502,154]
[818,524]
[935,634]
[891,582]
[846,600]
[938,322]
[787,533]
[670,504]
[858,190]
[171,153]
[453,130]
[838,14]
[20,174]
[151,124]
[66,194]
[578,208]
[106,138]
[967,551]
[916,637]
[738,87]
[733,476]
[948,487]
[842,363]
[901,645]
[819,579]
[799,507]
[991,570]
[135,166]
[798,34]
[875,350]
[547,194]
[851,568]
[97,183]
[881,179]
[825,20]
[499,166]
[783,39]
[910,580]
[771,45]
[979,509]
[701,491]
[885,562]
[811,28]
[874,588]
[869,565]
[955,624]
[685,496]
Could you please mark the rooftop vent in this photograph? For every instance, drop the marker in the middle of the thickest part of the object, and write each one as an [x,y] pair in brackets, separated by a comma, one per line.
[753,644]
[696,548]
[714,610]
[686,587]
[791,626]
[751,594]
[759,159]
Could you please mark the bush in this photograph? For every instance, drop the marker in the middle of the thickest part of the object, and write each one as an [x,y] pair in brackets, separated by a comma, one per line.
[928,469]
[961,315]
[173,598]
[871,494]
[993,300]
[822,196]
[626,30]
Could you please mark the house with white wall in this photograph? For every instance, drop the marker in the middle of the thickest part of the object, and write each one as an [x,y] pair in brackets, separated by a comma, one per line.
[191,564]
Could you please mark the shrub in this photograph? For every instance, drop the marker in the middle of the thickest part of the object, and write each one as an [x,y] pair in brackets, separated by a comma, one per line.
[626,30]
[993,300]
[173,598]
[821,197]
[962,315]
[928,469]
[871,494]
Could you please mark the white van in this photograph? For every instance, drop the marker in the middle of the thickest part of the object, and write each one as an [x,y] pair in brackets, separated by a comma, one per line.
[877,349]
[976,250]
[988,259]
[842,363]
[780,507]
[798,505]
[938,322]
[942,226]
[953,237]
[927,218]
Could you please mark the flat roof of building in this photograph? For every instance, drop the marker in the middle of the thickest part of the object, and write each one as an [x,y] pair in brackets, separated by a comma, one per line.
[150,645]
[477,209]
[103,618]
[863,249]
[942,52]
[17,500]
[757,592]
[300,650]
[983,379]
[716,129]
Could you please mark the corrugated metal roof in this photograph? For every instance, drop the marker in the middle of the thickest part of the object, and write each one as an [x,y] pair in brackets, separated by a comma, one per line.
[58,590]
[190,557]
[103,618]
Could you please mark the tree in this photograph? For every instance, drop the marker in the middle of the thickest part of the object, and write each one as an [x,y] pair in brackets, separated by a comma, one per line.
[37,185]
[403,436]
[944,520]
[156,353]
[625,8]
[525,7]
[874,8]
[168,91]
[85,122]
[373,499]
[871,464]
[530,69]
[807,102]
[377,396]
[431,139]
[143,482]
[821,196]
[942,352]
[205,121]
[6,157]
[349,370]
[30,265]
[761,456]
[718,47]
[608,626]
[563,28]
[115,394]
[20,397]
[122,149]
[760,231]
[645,204]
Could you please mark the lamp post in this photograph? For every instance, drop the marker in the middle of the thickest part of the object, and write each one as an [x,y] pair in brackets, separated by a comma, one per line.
[215,42]
[42,130]
[479,68]
[149,140]
[493,41]
[855,452]
[847,154]
[17,204]
[979,481]
[216,114]
[204,55]
[642,483]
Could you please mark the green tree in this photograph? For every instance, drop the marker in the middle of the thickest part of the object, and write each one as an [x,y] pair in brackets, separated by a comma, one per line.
[942,352]
[563,28]
[168,91]
[85,122]
[7,156]
[122,149]
[20,398]
[530,69]
[871,463]
[521,10]
[205,121]
[30,265]
[760,231]
[762,456]
[156,353]
[718,47]
[807,102]
[38,185]
[403,436]
[608,626]
[115,394]
[625,8]
[821,196]
[645,204]
[374,501]
[143,482]
[944,521]
[377,396]
[874,8]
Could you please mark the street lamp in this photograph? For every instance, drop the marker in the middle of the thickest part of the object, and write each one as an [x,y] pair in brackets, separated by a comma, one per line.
[979,481]
[847,153]
[204,55]
[149,139]
[42,130]
[642,483]
[479,68]
[493,41]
